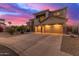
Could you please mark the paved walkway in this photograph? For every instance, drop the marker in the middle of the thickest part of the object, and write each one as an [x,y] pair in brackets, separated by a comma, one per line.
[35,44]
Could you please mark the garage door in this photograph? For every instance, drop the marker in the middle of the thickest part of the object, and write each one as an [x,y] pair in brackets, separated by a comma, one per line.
[47,28]
[37,28]
[57,28]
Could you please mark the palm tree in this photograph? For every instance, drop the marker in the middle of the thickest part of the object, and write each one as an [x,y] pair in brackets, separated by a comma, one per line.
[9,23]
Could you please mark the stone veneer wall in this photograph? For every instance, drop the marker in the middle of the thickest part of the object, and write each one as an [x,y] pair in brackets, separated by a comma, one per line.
[70,45]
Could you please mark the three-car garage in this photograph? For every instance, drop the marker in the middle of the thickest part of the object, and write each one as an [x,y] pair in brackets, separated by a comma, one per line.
[55,28]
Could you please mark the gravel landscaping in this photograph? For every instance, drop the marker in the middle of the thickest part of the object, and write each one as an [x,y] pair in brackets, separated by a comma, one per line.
[70,45]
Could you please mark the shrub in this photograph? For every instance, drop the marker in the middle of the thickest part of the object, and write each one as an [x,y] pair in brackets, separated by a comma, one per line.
[75,30]
[11,30]
[1,29]
[21,29]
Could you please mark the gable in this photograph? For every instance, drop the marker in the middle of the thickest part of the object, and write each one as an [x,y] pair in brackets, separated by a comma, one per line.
[58,16]
[60,12]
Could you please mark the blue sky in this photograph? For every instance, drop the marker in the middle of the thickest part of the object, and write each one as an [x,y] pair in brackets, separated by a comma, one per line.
[20,13]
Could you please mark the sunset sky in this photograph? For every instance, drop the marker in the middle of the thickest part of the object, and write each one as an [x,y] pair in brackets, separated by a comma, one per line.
[20,13]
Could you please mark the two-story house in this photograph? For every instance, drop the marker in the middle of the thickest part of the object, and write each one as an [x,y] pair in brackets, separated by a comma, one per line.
[50,21]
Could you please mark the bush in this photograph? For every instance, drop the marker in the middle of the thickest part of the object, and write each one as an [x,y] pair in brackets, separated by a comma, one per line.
[17,29]
[11,30]
[1,29]
[75,30]
[21,29]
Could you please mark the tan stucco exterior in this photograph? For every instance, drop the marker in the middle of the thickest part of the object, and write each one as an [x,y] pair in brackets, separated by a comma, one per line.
[52,19]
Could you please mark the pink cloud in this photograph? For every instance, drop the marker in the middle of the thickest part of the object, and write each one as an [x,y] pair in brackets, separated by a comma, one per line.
[15,19]
[41,6]
[72,22]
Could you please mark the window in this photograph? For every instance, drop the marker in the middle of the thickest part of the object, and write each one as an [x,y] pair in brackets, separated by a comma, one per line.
[57,14]
[42,18]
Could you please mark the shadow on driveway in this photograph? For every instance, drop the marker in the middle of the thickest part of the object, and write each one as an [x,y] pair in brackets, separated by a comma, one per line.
[5,51]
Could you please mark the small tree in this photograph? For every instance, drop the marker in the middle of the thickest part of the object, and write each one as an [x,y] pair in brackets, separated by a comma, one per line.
[11,30]
[76,30]
[69,29]
[9,23]
[21,29]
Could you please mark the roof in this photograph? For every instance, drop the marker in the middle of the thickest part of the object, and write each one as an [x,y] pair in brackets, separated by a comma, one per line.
[60,9]
[2,19]
[49,11]
[41,12]
[3,23]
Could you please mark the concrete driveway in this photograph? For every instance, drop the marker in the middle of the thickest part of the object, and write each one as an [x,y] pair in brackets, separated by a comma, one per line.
[35,44]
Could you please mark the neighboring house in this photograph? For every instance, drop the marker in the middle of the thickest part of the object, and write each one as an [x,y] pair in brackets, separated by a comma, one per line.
[50,21]
[2,25]
[30,24]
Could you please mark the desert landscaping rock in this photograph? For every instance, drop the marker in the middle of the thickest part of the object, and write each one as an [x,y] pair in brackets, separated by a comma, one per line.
[70,45]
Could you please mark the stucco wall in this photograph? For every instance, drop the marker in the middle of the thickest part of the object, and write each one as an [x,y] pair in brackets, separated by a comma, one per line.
[51,20]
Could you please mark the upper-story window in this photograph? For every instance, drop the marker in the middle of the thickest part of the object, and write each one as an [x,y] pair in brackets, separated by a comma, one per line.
[61,13]
[57,14]
[42,18]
